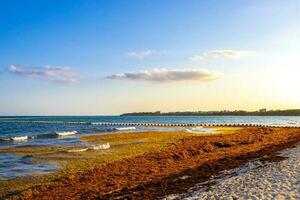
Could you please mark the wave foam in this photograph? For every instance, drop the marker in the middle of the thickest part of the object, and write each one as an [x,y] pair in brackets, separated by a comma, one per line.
[199,129]
[66,133]
[77,150]
[195,129]
[19,138]
[125,128]
[16,138]
[100,146]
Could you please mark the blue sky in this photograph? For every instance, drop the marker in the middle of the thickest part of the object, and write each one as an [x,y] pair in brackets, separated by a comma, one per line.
[108,57]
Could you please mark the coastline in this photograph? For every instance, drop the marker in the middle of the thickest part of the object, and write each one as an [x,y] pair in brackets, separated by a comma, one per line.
[182,165]
[277,178]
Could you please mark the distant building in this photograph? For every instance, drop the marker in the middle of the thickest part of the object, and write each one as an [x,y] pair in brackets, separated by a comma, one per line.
[263,110]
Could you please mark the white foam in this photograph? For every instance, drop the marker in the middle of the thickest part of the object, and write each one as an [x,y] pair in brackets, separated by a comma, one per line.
[77,150]
[100,146]
[125,128]
[198,129]
[19,138]
[5,139]
[66,133]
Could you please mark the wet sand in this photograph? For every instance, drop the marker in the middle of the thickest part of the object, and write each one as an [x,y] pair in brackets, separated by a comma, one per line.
[174,170]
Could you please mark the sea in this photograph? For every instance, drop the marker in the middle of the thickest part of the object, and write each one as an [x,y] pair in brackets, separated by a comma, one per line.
[60,130]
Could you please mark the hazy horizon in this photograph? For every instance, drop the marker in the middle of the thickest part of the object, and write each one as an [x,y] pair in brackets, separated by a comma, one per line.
[113,57]
[118,114]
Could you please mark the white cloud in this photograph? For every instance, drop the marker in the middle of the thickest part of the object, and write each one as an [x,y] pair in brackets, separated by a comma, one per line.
[165,75]
[55,74]
[196,58]
[140,54]
[225,53]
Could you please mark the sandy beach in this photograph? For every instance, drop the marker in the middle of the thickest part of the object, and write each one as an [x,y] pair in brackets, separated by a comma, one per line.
[180,165]
[257,179]
[152,99]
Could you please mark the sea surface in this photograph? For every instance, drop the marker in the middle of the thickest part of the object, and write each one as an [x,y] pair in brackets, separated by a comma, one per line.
[19,131]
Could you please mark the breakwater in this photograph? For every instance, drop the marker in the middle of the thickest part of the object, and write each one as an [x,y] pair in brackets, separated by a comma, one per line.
[156,124]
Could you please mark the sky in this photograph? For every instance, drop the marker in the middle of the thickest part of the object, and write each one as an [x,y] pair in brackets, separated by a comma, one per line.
[107,57]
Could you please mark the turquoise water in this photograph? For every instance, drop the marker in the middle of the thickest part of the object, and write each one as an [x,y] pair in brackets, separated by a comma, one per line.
[48,134]
[45,134]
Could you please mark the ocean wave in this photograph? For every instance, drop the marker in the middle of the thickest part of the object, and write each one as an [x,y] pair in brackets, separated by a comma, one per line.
[99,146]
[56,134]
[91,148]
[77,150]
[195,129]
[19,138]
[16,138]
[65,133]
[125,128]
[199,129]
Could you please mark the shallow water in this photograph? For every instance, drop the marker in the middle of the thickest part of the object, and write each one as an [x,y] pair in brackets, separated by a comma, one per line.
[12,166]
[46,134]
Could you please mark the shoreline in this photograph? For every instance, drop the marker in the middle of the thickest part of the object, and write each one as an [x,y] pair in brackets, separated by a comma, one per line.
[274,178]
[182,165]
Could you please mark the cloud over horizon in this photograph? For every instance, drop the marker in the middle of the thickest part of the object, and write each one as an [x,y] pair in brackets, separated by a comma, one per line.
[49,73]
[166,75]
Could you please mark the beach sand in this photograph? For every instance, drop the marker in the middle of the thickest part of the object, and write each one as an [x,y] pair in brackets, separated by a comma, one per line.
[258,179]
[174,169]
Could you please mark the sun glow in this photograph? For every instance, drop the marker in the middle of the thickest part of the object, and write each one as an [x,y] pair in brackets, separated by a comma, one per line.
[285,84]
